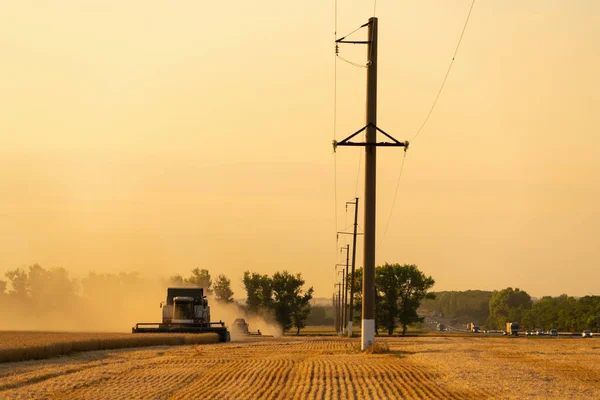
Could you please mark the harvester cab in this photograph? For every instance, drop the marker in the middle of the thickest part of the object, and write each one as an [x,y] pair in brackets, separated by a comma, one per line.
[185,311]
[240,326]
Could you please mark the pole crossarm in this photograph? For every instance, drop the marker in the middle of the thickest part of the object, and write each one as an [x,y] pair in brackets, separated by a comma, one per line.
[394,142]
[352,41]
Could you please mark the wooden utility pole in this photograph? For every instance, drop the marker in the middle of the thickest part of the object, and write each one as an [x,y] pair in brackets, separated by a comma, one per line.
[368,289]
[368,305]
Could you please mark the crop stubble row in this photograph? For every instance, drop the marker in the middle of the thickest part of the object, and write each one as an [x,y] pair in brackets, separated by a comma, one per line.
[277,369]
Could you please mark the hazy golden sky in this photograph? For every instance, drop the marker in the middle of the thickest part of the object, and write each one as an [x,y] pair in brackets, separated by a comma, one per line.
[161,136]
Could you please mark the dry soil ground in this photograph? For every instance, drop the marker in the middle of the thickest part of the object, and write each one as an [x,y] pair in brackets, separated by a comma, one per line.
[309,367]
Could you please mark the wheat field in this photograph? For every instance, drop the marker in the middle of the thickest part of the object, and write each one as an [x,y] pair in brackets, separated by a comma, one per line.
[23,345]
[318,368]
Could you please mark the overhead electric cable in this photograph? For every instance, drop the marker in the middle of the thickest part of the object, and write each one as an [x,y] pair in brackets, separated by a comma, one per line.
[427,118]
[358,173]
[447,73]
[393,202]
[352,62]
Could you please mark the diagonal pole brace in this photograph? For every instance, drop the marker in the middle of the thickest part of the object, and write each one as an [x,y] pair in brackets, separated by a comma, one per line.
[394,143]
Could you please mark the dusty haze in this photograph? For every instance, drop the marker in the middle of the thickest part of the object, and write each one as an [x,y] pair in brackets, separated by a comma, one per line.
[161,136]
[104,303]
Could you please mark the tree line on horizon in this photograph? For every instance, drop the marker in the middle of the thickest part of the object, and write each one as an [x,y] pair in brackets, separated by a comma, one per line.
[400,291]
[494,308]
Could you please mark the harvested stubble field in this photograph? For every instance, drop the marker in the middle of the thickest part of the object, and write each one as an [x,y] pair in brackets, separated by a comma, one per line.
[20,345]
[315,368]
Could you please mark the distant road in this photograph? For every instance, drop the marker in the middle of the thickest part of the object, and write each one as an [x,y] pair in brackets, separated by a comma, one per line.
[431,323]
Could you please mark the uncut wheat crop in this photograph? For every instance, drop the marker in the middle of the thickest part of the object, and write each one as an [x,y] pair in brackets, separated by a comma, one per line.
[18,345]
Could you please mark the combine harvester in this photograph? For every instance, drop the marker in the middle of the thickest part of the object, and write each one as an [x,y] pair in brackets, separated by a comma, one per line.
[186,311]
[241,327]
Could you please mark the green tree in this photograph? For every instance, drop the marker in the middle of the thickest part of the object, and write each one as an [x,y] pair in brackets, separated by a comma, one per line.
[414,287]
[508,305]
[259,292]
[301,310]
[290,304]
[222,289]
[201,278]
[357,301]
[399,290]
[387,304]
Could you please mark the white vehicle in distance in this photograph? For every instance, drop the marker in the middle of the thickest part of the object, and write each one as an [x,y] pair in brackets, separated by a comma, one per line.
[586,334]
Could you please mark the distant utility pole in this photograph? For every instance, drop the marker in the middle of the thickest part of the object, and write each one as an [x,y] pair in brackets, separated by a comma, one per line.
[345,288]
[342,304]
[368,304]
[351,316]
[335,312]
[339,307]
[350,301]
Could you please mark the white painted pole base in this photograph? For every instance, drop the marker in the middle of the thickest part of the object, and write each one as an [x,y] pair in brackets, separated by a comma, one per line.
[368,333]
[350,328]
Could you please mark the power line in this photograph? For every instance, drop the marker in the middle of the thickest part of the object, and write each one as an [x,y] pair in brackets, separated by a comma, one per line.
[393,201]
[358,173]
[447,73]
[352,62]
[426,119]
[335,193]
